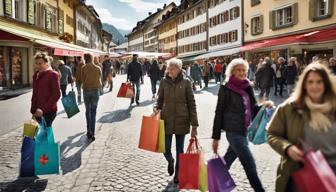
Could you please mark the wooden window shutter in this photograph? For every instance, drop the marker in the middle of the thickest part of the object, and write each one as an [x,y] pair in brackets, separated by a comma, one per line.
[312,10]
[238,11]
[251,26]
[331,7]
[272,20]
[295,12]
[261,17]
[254,2]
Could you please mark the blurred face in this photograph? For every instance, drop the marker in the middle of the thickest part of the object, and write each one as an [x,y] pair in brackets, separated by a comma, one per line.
[314,86]
[173,71]
[240,72]
[41,65]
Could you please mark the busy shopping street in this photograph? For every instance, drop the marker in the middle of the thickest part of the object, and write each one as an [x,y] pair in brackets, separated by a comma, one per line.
[167,95]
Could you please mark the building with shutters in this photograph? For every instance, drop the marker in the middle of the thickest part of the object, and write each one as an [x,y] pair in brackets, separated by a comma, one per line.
[301,28]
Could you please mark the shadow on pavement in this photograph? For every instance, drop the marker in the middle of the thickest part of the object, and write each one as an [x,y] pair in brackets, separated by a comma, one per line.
[25,184]
[71,152]
[212,89]
[147,102]
[171,187]
[117,116]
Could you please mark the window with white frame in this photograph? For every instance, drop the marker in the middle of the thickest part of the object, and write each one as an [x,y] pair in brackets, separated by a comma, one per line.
[257,25]
[20,10]
[322,8]
[284,16]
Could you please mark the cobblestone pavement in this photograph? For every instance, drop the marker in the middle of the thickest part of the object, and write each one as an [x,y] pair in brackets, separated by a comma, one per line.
[114,163]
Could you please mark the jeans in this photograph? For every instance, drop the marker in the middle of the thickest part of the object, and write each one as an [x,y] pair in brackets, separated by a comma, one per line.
[48,117]
[179,149]
[91,102]
[206,80]
[137,85]
[153,82]
[63,90]
[238,147]
[79,91]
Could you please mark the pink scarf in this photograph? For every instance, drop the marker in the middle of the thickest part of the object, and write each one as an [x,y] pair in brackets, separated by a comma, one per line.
[240,87]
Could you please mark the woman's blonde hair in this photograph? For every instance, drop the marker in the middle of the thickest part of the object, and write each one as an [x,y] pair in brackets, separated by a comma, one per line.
[44,56]
[299,94]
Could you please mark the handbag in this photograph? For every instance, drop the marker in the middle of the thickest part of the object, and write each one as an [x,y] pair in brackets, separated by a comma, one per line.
[219,178]
[260,135]
[316,174]
[27,158]
[149,133]
[69,104]
[252,129]
[47,152]
[189,166]
[30,128]
[161,138]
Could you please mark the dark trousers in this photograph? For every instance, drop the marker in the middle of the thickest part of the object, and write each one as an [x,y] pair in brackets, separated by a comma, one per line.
[265,90]
[278,83]
[218,77]
[238,147]
[179,149]
[48,117]
[153,82]
[63,90]
[206,80]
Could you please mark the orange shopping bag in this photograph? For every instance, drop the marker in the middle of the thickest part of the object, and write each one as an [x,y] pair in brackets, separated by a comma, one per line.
[149,135]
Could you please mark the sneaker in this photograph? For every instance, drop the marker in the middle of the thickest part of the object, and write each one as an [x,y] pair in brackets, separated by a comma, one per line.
[137,102]
[171,167]
[132,101]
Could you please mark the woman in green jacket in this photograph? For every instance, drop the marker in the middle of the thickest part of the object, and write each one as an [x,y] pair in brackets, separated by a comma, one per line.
[177,105]
[309,114]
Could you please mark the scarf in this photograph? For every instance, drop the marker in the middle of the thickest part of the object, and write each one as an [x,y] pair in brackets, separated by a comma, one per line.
[319,115]
[240,87]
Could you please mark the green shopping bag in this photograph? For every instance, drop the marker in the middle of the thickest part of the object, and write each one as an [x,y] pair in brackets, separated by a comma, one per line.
[161,143]
[30,128]
[69,104]
[47,152]
[203,175]
[253,128]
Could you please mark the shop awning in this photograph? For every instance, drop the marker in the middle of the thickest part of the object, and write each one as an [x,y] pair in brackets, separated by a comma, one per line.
[303,38]
[60,48]
[218,53]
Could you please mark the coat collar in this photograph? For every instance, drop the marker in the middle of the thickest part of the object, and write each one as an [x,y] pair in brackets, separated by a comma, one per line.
[178,79]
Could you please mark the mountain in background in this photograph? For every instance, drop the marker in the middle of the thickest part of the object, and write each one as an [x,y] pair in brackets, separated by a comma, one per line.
[118,35]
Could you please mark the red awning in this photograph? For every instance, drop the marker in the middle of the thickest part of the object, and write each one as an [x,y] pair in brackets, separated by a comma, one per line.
[311,37]
[65,52]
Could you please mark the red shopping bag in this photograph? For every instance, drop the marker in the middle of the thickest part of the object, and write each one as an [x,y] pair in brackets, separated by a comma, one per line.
[316,175]
[188,174]
[123,89]
[149,134]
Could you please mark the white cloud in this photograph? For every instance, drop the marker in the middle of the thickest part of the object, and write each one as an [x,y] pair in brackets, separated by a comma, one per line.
[141,6]
[106,17]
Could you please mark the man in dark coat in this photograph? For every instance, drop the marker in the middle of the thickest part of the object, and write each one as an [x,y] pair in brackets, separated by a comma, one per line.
[134,74]
[265,76]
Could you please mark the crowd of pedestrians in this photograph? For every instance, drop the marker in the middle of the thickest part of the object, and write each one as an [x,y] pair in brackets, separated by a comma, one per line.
[308,113]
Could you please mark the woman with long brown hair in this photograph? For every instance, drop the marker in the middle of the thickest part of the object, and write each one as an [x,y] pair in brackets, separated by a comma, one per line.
[309,114]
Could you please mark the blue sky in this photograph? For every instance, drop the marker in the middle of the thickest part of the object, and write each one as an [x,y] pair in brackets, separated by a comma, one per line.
[124,14]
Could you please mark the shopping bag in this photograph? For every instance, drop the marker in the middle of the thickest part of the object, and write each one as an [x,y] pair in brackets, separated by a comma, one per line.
[123,89]
[129,92]
[69,104]
[162,140]
[260,136]
[316,175]
[219,178]
[203,175]
[30,128]
[149,133]
[252,129]
[188,174]
[47,152]
[27,158]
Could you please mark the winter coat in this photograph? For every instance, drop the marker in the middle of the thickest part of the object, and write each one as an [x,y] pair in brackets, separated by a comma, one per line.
[177,104]
[154,71]
[78,74]
[196,72]
[66,75]
[46,91]
[290,74]
[91,77]
[134,71]
[264,76]
[284,129]
[218,68]
[230,112]
[206,70]
[163,71]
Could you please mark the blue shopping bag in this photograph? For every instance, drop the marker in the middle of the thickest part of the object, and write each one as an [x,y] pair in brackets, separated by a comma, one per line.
[47,152]
[27,158]
[260,136]
[252,129]
[219,178]
[69,104]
